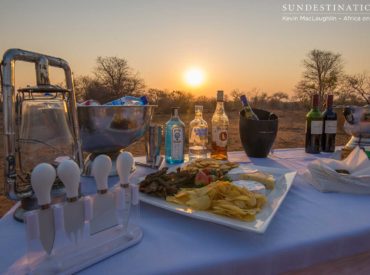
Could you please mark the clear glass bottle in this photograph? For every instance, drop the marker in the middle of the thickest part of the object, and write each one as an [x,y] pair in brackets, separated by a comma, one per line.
[198,135]
[248,112]
[174,138]
[220,127]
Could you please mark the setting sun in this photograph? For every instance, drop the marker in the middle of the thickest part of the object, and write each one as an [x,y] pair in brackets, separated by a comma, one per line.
[194,77]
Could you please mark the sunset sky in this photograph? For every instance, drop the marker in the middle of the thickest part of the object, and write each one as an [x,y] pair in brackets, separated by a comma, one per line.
[236,44]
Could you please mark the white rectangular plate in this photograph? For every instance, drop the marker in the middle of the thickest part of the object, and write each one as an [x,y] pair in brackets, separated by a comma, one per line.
[284,180]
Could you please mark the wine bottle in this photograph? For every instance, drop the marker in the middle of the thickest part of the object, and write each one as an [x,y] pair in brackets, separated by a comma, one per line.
[174,138]
[314,126]
[329,126]
[220,127]
[248,112]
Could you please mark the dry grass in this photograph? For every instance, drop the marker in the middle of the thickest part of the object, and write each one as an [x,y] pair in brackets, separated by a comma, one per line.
[290,135]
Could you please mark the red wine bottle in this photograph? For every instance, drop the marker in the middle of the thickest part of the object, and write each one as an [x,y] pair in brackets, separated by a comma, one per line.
[314,127]
[329,127]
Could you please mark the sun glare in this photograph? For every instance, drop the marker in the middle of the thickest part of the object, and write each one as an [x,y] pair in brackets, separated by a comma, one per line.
[194,77]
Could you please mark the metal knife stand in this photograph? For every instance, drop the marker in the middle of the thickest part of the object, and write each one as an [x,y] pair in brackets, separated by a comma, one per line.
[16,177]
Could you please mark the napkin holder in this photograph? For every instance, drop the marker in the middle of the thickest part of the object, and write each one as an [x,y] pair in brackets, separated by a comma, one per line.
[327,175]
[68,257]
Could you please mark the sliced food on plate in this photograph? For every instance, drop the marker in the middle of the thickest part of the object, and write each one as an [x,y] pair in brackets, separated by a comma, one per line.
[209,170]
[162,184]
[194,174]
[206,184]
[223,198]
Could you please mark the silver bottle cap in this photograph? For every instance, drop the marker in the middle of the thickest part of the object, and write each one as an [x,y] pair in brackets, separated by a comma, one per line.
[198,109]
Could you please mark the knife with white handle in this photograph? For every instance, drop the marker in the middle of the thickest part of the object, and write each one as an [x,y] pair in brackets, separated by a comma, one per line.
[74,209]
[42,179]
[135,204]
[124,164]
[34,246]
[104,212]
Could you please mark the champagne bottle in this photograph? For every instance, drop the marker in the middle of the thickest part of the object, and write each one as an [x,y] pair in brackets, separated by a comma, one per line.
[329,127]
[248,112]
[314,127]
[220,127]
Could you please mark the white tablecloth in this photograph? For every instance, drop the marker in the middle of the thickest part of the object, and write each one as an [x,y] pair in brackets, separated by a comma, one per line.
[310,227]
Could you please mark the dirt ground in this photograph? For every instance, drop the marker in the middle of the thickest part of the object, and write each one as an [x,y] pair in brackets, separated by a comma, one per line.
[290,135]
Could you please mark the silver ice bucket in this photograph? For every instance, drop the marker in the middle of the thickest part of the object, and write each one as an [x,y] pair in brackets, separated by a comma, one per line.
[109,129]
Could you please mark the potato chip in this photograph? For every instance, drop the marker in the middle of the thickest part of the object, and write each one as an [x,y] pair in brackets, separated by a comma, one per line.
[199,203]
[222,198]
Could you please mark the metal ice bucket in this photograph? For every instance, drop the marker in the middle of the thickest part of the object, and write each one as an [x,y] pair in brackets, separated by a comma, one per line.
[357,124]
[109,129]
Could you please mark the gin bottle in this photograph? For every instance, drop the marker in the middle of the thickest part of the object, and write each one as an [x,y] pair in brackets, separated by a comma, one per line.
[174,138]
[198,135]
[220,128]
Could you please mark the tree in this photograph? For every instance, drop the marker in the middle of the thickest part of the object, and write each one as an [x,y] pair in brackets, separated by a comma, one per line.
[260,99]
[117,77]
[277,99]
[236,94]
[279,96]
[234,103]
[80,86]
[166,100]
[208,103]
[358,85]
[183,100]
[321,75]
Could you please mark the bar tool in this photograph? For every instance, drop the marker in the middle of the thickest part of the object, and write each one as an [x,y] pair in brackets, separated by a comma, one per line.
[153,141]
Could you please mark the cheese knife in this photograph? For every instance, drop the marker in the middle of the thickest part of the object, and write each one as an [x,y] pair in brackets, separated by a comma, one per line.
[104,212]
[124,164]
[42,179]
[74,208]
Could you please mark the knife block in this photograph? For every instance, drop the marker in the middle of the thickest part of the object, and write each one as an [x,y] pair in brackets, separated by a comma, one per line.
[68,257]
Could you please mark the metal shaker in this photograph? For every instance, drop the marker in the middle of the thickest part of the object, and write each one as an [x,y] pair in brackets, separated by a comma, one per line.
[153,141]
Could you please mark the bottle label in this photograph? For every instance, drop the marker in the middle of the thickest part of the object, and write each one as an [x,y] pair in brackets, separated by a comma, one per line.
[316,127]
[220,135]
[330,126]
[197,135]
[248,113]
[177,146]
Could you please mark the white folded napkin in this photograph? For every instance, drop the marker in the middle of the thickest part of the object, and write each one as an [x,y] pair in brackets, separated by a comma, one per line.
[326,179]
